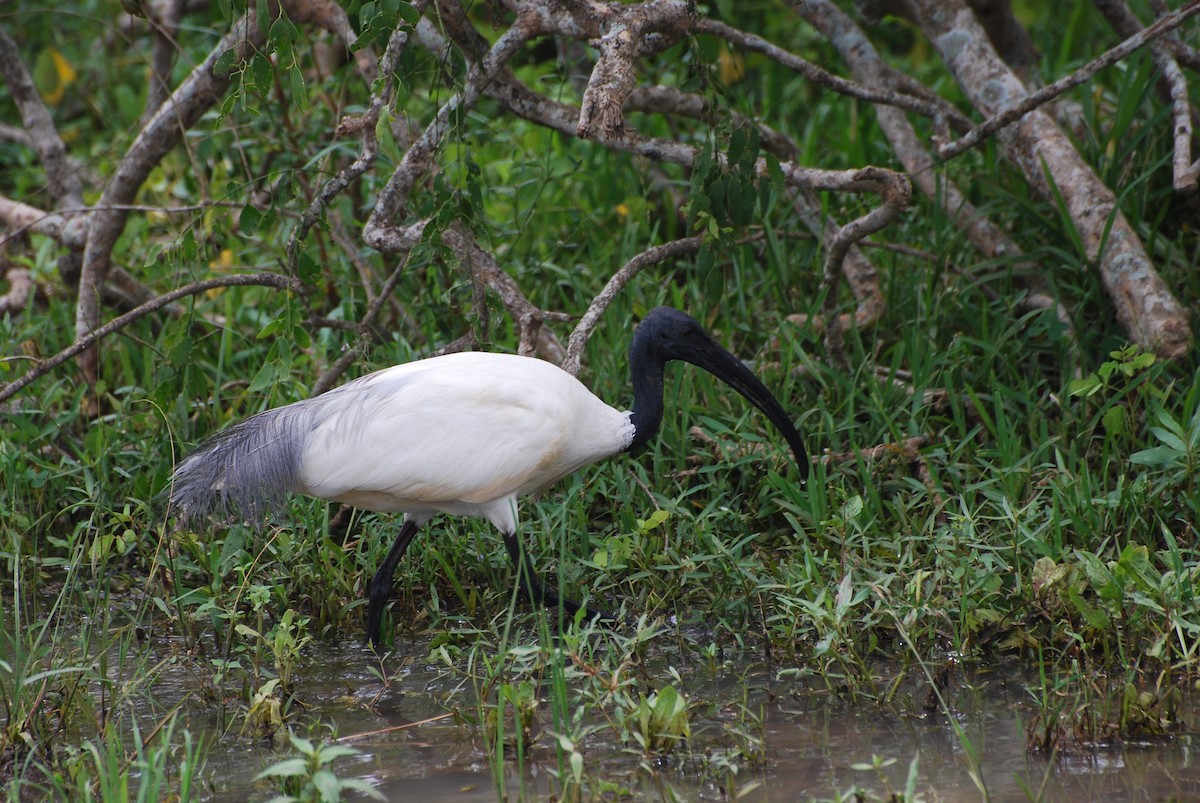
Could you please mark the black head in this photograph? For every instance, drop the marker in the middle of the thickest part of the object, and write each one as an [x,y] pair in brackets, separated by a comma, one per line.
[667,334]
[671,335]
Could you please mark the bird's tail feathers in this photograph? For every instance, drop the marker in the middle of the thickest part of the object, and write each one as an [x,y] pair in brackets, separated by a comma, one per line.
[248,468]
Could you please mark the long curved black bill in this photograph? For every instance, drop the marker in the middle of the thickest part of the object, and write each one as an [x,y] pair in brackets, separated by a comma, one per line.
[712,357]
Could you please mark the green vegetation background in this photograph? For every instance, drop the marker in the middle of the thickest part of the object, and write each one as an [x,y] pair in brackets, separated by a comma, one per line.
[1049,520]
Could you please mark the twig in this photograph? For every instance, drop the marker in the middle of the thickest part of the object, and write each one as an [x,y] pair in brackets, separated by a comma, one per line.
[1184,171]
[651,256]
[380,231]
[370,143]
[528,319]
[894,190]
[331,374]
[163,18]
[19,217]
[116,324]
[1126,24]
[1051,91]
[354,737]
[199,92]
[62,180]
[926,108]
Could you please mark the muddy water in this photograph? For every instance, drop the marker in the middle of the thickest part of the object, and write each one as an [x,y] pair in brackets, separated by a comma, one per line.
[813,744]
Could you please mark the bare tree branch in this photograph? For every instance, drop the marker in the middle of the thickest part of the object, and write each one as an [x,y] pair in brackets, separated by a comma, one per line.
[116,324]
[867,65]
[1013,111]
[370,143]
[651,256]
[380,231]
[928,108]
[20,289]
[64,184]
[164,17]
[626,32]
[1184,171]
[1146,307]
[199,92]
[1126,24]
[528,319]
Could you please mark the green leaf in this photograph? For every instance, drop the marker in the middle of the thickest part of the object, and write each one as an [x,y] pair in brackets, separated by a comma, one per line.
[1143,360]
[362,787]
[845,595]
[853,508]
[1087,386]
[656,519]
[704,259]
[288,768]
[227,62]
[250,220]
[305,746]
[261,74]
[1115,422]
[1095,617]
[298,87]
[914,772]
[274,369]
[1155,457]
[408,13]
[264,18]
[714,282]
[307,268]
[273,327]
[327,785]
[334,751]
[283,35]
[1169,438]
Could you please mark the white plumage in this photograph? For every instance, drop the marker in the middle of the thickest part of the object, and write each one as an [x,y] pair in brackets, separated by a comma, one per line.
[460,434]
[466,434]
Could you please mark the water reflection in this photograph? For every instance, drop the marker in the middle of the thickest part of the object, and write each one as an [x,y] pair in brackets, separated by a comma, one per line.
[814,744]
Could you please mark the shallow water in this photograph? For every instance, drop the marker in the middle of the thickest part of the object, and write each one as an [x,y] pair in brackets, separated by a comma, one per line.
[812,743]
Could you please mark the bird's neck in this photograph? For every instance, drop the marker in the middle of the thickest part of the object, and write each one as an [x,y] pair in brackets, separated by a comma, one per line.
[646,371]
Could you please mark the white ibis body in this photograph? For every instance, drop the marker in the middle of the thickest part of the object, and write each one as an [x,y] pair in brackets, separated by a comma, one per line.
[465,434]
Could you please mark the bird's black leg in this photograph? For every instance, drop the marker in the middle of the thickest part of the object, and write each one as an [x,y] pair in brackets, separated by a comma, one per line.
[381,583]
[540,593]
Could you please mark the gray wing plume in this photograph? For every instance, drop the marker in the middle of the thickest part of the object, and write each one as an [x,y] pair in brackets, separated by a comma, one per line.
[248,467]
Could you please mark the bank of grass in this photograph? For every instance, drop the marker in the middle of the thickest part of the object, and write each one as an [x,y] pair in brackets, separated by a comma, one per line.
[1026,531]
[1048,521]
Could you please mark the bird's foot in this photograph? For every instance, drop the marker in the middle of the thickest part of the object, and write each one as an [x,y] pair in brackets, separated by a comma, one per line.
[376,603]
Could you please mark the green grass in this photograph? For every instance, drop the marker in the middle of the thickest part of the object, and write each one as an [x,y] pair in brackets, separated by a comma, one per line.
[1048,522]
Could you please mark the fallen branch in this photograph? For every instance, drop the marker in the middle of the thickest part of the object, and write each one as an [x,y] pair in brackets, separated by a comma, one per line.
[1145,305]
[1030,102]
[354,737]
